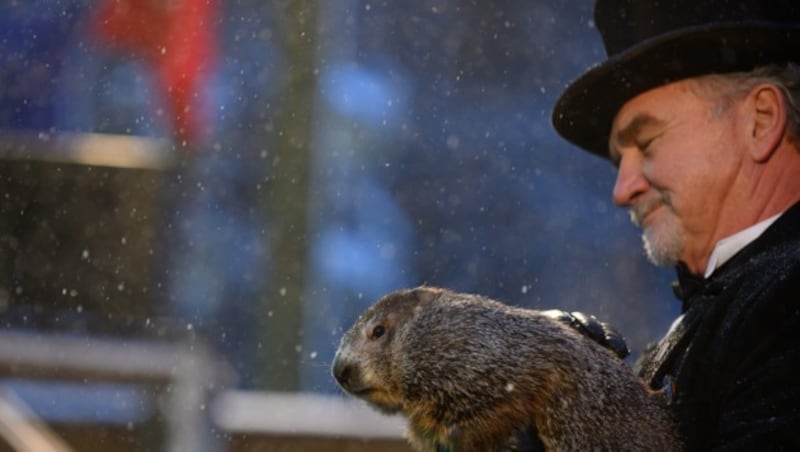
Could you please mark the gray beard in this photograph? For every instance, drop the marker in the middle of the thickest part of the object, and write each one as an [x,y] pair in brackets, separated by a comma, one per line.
[664,242]
[663,249]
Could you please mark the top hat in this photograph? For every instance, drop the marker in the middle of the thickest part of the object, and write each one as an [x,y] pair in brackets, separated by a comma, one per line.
[650,44]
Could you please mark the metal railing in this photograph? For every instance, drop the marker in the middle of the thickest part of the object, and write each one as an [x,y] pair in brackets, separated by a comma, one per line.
[188,376]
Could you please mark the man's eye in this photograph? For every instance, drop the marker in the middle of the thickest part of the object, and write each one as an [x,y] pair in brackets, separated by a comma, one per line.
[646,144]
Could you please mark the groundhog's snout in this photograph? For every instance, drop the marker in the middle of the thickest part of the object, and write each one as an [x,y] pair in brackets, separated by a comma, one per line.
[346,374]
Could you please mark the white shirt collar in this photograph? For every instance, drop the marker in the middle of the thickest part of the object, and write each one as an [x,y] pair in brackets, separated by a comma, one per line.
[729,246]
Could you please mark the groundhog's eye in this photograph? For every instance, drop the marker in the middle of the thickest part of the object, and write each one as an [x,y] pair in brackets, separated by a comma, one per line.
[378,331]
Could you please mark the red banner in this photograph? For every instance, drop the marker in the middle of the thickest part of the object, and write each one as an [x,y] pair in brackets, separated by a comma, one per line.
[177,37]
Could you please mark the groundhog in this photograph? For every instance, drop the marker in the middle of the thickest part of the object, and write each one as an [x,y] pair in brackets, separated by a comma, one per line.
[471,374]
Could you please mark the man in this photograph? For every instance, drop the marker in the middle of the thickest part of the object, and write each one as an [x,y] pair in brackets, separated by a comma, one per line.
[697,106]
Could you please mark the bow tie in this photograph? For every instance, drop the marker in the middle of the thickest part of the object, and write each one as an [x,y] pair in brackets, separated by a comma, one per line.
[687,286]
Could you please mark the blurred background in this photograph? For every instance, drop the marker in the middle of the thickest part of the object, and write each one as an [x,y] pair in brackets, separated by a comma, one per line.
[197,197]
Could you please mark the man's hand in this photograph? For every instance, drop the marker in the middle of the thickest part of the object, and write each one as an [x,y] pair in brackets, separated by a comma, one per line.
[600,332]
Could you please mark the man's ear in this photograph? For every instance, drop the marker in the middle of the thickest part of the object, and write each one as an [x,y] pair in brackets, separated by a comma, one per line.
[766,106]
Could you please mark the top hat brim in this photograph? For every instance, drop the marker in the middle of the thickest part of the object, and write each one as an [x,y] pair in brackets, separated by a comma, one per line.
[585,111]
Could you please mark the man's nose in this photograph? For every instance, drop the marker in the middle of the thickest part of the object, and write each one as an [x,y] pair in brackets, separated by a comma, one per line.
[630,181]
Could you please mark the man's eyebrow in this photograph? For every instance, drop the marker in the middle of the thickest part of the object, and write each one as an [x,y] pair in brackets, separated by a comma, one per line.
[629,133]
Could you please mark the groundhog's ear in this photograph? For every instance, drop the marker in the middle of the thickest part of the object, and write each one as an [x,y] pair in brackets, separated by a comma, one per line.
[426,294]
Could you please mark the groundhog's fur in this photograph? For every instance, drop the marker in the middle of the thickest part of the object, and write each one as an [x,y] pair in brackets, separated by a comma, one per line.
[469,373]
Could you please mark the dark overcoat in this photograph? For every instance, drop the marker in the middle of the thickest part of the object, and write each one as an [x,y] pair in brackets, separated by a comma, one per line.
[732,364]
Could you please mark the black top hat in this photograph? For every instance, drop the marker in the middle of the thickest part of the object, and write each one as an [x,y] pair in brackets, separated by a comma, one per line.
[651,43]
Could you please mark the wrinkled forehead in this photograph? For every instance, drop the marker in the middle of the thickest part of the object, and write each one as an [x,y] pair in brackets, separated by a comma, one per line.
[647,111]
[661,99]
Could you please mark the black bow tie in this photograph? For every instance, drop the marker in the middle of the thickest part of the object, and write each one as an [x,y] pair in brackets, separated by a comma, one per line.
[687,286]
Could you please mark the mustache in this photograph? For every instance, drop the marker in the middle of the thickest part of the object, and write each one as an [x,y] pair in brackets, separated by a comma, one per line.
[640,210]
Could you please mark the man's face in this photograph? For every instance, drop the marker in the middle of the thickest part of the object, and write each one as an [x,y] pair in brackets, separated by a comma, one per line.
[676,157]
